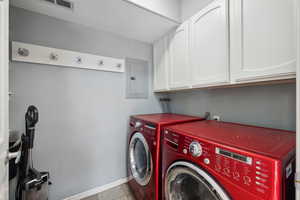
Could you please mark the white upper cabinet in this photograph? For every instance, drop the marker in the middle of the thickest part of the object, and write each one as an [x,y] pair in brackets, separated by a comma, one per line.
[225,43]
[179,71]
[209,50]
[161,64]
[263,43]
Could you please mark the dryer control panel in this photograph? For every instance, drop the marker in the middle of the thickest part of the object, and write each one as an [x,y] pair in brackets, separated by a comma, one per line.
[148,129]
[251,172]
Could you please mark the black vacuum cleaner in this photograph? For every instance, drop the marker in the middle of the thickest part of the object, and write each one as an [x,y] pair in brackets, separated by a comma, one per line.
[32,184]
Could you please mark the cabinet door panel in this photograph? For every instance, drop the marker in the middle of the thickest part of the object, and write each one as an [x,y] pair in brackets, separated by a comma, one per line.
[263,39]
[209,45]
[179,63]
[161,61]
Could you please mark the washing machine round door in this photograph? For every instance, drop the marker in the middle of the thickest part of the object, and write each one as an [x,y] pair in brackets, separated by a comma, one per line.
[140,159]
[187,181]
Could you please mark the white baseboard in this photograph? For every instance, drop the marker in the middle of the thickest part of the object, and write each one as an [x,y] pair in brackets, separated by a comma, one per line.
[97,189]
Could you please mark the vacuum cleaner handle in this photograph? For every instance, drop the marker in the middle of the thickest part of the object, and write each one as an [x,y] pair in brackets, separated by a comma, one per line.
[31,118]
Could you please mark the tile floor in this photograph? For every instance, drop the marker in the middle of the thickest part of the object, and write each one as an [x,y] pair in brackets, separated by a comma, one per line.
[121,192]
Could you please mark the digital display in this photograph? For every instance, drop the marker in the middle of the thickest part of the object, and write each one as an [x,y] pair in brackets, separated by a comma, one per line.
[235,156]
[225,153]
[172,144]
[240,157]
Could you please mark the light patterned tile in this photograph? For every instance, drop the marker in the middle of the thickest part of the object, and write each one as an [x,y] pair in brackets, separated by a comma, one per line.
[94,197]
[112,194]
[121,192]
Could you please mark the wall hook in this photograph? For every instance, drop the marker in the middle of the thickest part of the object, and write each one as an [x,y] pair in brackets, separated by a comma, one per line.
[53,56]
[30,53]
[23,52]
[78,60]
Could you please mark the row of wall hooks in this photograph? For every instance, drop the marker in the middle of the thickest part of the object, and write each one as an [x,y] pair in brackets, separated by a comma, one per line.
[30,53]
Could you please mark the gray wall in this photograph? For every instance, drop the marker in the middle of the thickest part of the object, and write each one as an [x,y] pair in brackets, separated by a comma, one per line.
[82,132]
[270,106]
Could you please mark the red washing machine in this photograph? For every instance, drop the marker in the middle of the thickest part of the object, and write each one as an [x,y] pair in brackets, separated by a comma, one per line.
[144,151]
[224,161]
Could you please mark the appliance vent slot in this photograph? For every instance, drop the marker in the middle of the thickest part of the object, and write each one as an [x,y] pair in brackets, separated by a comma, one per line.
[65,3]
[50,1]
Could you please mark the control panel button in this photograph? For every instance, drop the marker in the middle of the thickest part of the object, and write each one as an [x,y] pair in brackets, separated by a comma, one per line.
[206,161]
[247,180]
[184,151]
[258,162]
[236,175]
[218,167]
[262,174]
[226,171]
[138,124]
[195,149]
[260,179]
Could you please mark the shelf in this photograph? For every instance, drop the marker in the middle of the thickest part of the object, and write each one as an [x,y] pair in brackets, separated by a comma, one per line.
[116,16]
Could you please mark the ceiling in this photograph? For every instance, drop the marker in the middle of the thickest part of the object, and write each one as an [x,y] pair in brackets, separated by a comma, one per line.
[115,16]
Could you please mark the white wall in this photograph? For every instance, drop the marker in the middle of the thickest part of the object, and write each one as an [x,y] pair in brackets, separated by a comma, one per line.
[82,133]
[167,8]
[191,7]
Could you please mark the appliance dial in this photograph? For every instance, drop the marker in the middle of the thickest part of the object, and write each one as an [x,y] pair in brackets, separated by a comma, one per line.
[138,124]
[195,149]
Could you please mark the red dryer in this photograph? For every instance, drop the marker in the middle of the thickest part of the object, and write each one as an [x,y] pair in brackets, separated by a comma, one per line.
[144,151]
[225,161]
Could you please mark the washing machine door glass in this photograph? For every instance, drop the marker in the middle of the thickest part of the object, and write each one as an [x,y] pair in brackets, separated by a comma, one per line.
[140,159]
[185,181]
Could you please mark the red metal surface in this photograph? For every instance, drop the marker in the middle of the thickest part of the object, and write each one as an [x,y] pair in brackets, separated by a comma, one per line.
[264,179]
[147,192]
[151,191]
[165,118]
[270,142]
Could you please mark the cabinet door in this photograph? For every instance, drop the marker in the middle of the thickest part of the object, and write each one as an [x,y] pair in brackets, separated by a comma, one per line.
[161,61]
[209,49]
[179,73]
[263,43]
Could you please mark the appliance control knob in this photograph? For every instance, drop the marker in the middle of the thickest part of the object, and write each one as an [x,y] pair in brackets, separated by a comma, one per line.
[206,161]
[138,124]
[195,149]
